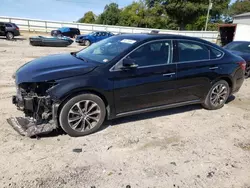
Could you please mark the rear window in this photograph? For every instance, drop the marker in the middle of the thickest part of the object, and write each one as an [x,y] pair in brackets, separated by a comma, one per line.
[14,25]
[215,54]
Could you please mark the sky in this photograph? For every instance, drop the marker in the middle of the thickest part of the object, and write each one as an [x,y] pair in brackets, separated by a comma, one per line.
[58,10]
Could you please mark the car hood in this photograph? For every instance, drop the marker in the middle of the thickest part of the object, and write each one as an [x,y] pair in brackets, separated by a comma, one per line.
[245,56]
[52,67]
[80,36]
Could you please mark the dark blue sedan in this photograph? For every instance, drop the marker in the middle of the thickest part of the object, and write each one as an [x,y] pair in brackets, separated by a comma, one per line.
[93,37]
[242,49]
[120,76]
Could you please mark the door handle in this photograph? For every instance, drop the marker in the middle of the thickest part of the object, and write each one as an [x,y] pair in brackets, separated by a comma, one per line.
[169,74]
[213,68]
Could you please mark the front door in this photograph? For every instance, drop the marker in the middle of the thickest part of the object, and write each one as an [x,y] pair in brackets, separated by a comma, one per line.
[151,84]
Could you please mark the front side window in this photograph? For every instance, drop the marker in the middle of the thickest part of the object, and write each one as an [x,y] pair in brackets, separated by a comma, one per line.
[97,34]
[154,53]
[104,34]
[192,51]
[107,49]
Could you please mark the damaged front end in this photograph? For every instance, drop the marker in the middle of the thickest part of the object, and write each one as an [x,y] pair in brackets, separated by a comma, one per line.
[39,109]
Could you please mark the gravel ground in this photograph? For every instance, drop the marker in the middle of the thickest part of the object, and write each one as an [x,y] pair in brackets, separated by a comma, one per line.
[183,147]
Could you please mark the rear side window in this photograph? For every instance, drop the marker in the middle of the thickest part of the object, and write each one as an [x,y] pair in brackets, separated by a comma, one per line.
[8,25]
[192,51]
[215,54]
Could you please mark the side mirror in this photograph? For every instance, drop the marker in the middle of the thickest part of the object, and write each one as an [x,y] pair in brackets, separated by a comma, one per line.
[129,63]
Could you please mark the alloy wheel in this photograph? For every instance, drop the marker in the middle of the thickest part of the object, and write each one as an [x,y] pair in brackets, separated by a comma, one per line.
[219,95]
[84,115]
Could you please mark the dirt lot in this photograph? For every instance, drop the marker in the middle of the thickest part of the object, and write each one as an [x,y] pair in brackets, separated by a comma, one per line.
[183,147]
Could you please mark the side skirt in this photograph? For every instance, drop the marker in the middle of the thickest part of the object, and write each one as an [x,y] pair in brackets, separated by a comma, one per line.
[162,107]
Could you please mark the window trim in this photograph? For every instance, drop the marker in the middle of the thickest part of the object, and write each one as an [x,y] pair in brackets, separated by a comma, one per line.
[194,61]
[113,69]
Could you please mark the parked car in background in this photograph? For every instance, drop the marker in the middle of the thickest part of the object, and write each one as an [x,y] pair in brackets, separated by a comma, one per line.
[241,48]
[66,31]
[124,75]
[50,41]
[93,37]
[10,30]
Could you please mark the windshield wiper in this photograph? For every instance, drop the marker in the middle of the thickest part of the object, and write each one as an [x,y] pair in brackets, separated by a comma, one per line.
[78,57]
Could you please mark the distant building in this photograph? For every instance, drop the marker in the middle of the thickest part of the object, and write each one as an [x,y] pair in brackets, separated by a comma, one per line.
[242,18]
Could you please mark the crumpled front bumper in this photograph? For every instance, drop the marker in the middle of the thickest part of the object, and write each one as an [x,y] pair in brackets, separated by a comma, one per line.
[28,126]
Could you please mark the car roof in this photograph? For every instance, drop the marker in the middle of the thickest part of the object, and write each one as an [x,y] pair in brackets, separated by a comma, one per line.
[68,28]
[7,22]
[151,36]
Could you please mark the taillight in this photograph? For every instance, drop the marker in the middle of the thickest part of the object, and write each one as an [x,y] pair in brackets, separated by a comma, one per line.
[243,65]
[17,28]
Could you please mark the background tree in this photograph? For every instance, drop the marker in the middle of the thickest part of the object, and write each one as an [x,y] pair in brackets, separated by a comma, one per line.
[188,11]
[110,15]
[133,15]
[239,7]
[89,17]
[167,14]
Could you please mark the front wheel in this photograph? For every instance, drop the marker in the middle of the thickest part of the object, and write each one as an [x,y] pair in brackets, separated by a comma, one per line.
[82,115]
[87,43]
[217,96]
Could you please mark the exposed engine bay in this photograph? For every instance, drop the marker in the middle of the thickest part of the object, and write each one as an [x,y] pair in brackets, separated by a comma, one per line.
[37,105]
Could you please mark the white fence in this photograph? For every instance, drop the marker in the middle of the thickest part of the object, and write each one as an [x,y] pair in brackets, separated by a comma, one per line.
[47,26]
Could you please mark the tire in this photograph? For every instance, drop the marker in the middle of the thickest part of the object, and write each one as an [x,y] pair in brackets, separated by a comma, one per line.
[218,93]
[87,43]
[9,36]
[80,123]
[247,73]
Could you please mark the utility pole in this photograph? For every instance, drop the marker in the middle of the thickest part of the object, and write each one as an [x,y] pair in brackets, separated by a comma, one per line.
[210,6]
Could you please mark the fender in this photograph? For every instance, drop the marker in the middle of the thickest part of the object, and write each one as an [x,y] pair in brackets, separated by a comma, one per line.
[67,88]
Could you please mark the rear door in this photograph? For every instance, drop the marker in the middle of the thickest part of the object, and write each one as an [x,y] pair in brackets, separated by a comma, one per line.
[197,65]
[151,84]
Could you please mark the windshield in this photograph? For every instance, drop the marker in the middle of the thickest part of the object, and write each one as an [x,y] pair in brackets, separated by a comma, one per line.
[107,49]
[239,46]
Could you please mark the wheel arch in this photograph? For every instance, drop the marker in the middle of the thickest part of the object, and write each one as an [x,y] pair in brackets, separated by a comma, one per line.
[10,32]
[227,79]
[76,92]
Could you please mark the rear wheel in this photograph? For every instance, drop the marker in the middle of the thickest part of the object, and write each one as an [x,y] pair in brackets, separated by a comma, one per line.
[217,96]
[9,36]
[82,115]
